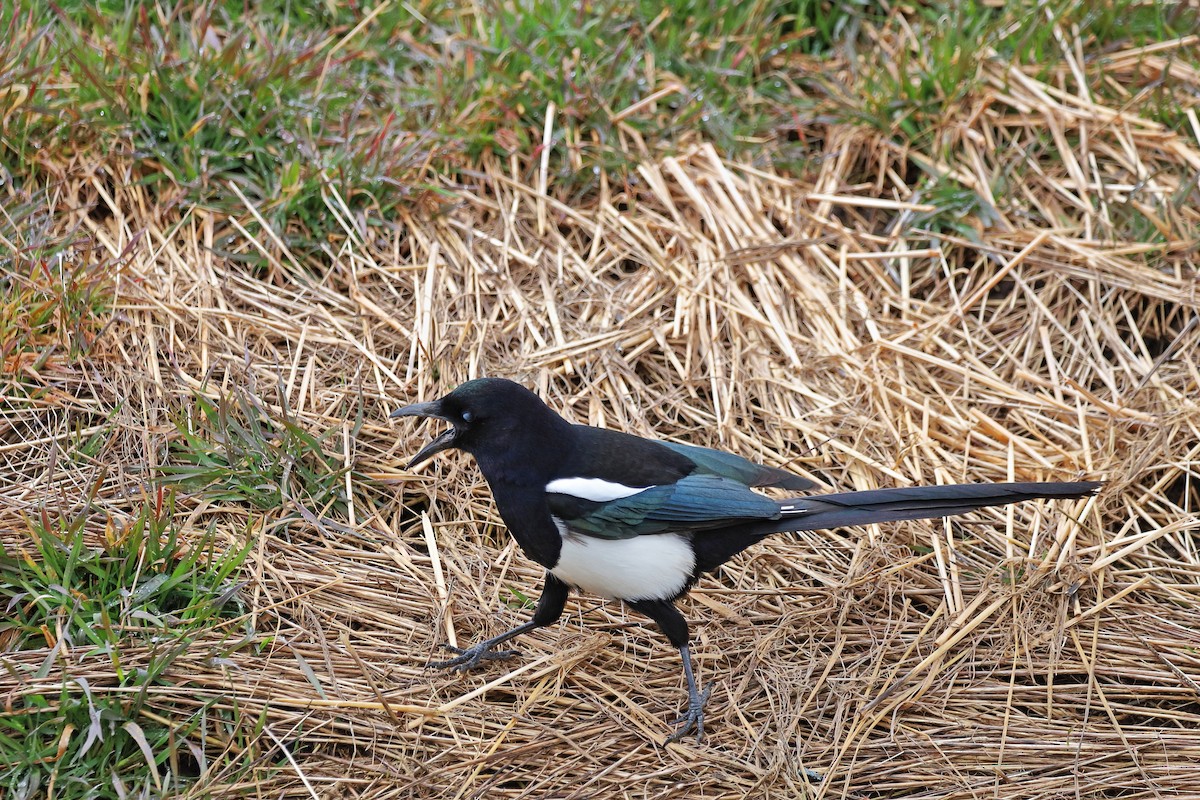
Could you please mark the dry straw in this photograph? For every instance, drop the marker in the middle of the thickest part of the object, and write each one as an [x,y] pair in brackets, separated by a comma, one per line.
[1039,651]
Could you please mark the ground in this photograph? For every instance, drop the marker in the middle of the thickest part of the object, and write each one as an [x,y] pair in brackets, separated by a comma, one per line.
[881,246]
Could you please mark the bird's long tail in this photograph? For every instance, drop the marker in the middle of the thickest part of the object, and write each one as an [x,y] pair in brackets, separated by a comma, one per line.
[916,502]
[826,511]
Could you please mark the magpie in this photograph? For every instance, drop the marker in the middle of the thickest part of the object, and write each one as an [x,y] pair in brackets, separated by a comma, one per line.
[639,520]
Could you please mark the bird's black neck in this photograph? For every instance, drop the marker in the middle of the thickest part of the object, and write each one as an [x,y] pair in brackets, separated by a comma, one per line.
[530,454]
[518,467]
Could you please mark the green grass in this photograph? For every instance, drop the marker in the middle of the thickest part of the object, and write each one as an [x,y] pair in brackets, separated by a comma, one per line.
[258,100]
[919,92]
[55,293]
[234,451]
[823,26]
[958,210]
[289,104]
[127,605]
[1103,27]
[935,72]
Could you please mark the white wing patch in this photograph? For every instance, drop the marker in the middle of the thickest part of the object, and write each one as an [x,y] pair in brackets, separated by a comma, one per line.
[595,489]
[654,567]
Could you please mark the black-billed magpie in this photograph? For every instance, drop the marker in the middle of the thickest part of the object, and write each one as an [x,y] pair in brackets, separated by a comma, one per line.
[640,520]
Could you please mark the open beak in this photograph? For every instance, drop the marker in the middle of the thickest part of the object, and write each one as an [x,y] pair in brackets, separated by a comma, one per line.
[442,442]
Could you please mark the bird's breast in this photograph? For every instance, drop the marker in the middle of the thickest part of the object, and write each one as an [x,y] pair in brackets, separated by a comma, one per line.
[651,567]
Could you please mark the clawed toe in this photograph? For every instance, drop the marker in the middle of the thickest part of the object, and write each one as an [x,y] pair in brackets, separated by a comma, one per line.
[693,718]
[468,658]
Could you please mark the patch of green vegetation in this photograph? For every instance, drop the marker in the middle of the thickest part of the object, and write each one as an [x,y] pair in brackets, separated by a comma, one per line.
[89,608]
[958,210]
[143,581]
[1029,39]
[204,97]
[233,450]
[599,65]
[54,305]
[1131,221]
[914,92]
[518,600]
[55,295]
[86,444]
[1121,24]
[293,102]
[289,103]
[823,26]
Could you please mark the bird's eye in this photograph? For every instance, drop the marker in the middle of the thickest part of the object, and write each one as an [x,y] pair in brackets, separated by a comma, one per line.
[467,416]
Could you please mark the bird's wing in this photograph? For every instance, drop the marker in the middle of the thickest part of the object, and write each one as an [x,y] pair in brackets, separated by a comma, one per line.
[727,465]
[695,502]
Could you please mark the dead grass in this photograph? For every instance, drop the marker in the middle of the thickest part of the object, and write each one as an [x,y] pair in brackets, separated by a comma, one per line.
[1041,651]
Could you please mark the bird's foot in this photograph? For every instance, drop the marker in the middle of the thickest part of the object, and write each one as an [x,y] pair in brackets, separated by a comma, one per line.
[693,717]
[469,658]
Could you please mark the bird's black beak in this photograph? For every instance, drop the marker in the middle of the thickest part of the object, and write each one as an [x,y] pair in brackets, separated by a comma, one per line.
[441,442]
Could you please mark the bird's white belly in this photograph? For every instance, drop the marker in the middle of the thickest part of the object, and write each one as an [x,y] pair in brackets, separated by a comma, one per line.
[655,567]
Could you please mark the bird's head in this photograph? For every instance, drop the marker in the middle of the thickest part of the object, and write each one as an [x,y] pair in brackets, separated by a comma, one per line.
[489,417]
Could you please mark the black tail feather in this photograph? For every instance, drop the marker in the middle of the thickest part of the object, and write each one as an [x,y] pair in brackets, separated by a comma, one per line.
[823,512]
[917,502]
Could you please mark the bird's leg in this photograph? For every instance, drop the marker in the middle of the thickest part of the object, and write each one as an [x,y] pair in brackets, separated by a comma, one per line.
[469,657]
[672,623]
[549,609]
[694,716]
